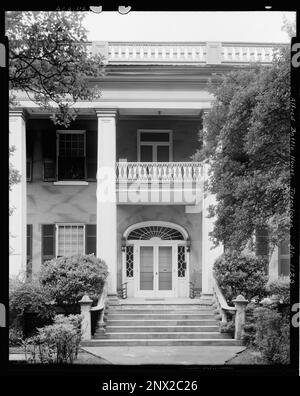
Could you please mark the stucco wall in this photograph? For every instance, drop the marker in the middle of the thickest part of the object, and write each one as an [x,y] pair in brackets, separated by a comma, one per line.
[129,215]
[185,136]
[49,203]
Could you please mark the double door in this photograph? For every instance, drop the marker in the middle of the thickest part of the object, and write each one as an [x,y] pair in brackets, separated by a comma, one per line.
[155,270]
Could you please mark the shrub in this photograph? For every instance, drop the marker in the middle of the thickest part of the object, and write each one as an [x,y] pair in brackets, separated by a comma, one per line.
[57,343]
[69,278]
[272,335]
[27,297]
[238,273]
[228,327]
[249,329]
[15,337]
[281,289]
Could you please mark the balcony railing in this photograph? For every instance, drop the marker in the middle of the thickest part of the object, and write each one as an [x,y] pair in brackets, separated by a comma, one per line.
[184,52]
[159,172]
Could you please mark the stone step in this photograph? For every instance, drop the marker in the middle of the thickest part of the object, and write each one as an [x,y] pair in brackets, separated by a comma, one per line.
[160,307]
[130,329]
[163,342]
[160,311]
[158,335]
[163,322]
[177,316]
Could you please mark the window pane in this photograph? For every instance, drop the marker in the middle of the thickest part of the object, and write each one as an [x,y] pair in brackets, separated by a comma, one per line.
[71,145]
[154,137]
[146,153]
[163,154]
[70,240]
[71,168]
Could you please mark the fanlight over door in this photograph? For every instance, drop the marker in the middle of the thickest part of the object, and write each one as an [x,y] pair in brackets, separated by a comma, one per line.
[149,232]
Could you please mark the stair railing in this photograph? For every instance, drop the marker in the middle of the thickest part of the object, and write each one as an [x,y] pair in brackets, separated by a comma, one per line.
[220,302]
[101,304]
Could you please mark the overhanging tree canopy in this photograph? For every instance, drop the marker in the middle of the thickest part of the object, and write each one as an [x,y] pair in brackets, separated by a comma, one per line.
[247,143]
[49,61]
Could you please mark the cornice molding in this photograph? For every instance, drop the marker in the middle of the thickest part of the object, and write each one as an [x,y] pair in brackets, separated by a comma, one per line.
[19,112]
[106,113]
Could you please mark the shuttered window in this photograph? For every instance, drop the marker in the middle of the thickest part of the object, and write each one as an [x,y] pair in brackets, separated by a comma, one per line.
[71,155]
[29,252]
[67,239]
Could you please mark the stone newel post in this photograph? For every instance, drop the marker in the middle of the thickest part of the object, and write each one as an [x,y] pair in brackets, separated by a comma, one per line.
[240,304]
[85,307]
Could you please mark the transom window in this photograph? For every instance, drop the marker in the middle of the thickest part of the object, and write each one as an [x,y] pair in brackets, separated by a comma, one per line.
[154,145]
[149,232]
[70,239]
[71,155]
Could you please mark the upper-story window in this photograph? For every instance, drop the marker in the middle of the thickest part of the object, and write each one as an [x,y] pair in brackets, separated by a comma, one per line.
[71,155]
[154,145]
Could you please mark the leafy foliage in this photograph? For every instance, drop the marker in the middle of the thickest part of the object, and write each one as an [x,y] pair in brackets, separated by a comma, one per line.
[68,279]
[28,297]
[15,337]
[246,139]
[272,335]
[281,289]
[240,274]
[57,343]
[49,61]
[14,176]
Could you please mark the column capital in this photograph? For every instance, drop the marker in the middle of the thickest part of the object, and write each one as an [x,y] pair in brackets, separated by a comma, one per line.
[18,112]
[102,112]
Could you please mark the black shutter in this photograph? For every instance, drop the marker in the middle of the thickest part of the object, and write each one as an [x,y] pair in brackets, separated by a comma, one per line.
[91,155]
[48,242]
[29,252]
[262,242]
[90,239]
[49,155]
[29,154]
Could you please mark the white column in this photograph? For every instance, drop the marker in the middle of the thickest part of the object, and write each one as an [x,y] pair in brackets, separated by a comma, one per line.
[106,194]
[17,197]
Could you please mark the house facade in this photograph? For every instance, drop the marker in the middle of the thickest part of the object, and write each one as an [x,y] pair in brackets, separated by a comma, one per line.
[120,181]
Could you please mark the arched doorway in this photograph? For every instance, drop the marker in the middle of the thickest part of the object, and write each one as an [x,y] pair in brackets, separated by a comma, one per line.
[155,260]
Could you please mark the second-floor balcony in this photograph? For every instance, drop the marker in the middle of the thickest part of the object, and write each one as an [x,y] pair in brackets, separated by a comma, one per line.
[159,172]
[159,182]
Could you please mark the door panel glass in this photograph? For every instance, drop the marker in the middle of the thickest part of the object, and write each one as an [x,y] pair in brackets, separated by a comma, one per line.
[163,154]
[165,268]
[146,153]
[146,268]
